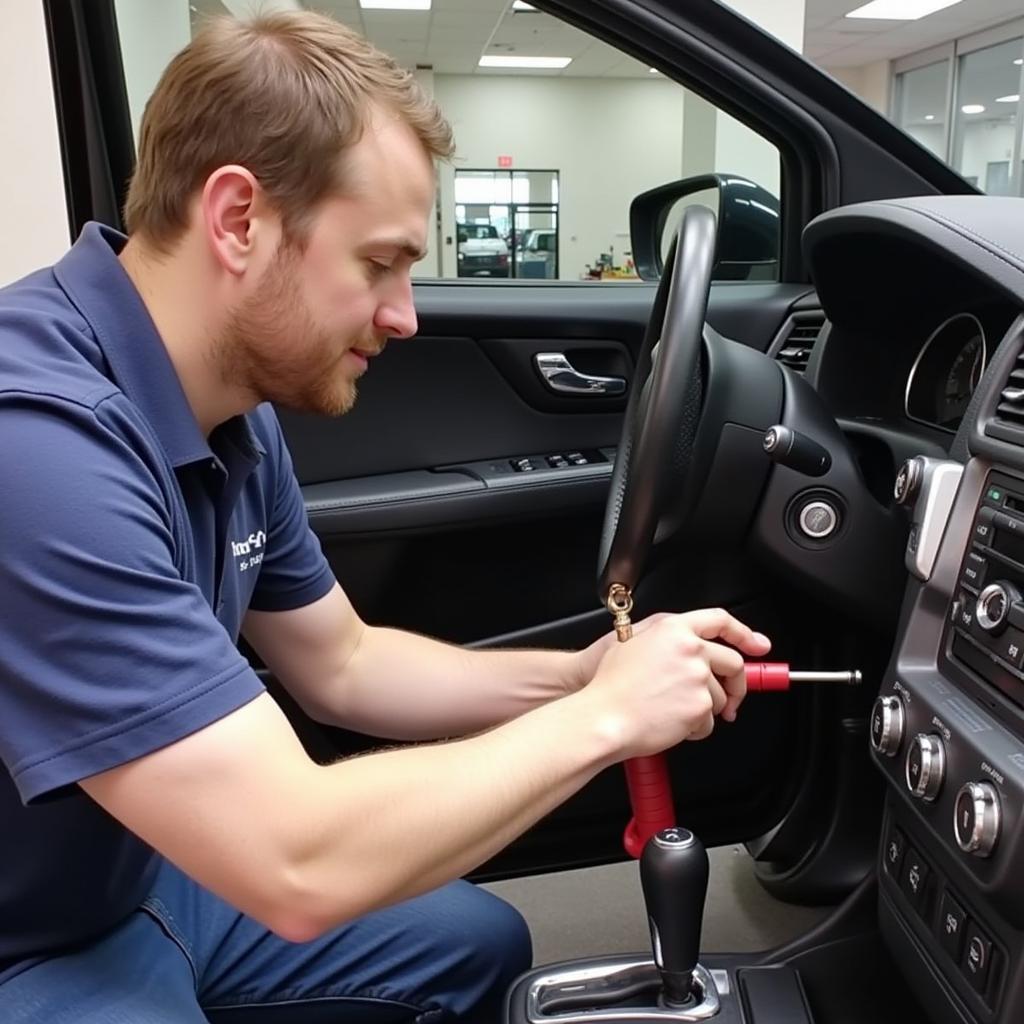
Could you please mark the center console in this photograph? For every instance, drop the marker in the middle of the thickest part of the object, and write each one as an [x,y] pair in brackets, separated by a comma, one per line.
[947,731]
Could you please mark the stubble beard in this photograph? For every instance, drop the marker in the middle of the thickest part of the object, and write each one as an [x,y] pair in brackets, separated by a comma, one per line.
[274,349]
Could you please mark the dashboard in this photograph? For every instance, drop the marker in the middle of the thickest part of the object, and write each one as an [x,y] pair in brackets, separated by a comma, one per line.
[925,298]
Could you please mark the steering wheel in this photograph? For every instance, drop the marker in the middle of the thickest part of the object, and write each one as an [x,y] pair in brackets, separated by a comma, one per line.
[656,449]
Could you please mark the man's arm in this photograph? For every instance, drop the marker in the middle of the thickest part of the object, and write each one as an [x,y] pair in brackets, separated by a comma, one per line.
[386,682]
[240,808]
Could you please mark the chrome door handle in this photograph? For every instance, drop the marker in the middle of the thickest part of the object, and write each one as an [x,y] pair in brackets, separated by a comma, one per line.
[561,376]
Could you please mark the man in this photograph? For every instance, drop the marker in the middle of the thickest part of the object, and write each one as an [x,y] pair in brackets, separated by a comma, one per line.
[169,853]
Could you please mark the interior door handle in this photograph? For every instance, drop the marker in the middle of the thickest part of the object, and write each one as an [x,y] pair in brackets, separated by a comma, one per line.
[561,376]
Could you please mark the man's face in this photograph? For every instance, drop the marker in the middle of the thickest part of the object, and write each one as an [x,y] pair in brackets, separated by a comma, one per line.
[305,332]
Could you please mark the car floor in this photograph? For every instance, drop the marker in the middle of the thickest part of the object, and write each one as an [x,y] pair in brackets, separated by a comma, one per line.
[600,910]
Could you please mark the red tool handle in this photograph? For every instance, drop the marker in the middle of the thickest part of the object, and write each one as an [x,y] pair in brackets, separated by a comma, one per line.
[767,676]
[650,791]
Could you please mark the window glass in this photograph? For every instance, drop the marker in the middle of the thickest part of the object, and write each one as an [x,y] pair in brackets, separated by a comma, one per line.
[920,107]
[549,159]
[986,111]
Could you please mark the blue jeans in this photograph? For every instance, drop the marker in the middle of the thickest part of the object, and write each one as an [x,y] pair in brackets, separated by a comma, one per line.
[186,957]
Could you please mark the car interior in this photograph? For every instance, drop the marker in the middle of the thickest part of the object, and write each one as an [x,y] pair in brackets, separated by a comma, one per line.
[832,449]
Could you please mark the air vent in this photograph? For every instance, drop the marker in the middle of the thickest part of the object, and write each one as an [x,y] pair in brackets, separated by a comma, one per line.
[799,340]
[1010,409]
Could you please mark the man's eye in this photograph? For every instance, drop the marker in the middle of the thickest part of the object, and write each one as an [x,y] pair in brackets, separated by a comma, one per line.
[378,269]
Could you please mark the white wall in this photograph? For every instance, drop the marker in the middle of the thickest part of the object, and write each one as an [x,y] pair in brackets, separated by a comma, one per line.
[152,32]
[609,139]
[33,210]
[983,143]
[931,136]
[869,81]
[783,18]
[741,151]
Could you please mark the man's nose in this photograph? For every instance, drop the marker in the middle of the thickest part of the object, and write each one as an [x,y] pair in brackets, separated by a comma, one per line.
[397,316]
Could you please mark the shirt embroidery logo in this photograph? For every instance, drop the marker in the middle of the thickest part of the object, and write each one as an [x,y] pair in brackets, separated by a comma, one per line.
[249,551]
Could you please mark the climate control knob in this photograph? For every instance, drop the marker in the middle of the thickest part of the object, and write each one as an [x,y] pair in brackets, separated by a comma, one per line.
[976,818]
[926,766]
[887,725]
[993,606]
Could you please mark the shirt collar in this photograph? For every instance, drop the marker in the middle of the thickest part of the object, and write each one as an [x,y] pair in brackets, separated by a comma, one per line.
[93,278]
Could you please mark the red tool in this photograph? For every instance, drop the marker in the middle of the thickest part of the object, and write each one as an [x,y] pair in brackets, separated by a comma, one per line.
[650,791]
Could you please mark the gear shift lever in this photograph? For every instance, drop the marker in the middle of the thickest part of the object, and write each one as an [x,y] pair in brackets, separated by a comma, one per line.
[674,878]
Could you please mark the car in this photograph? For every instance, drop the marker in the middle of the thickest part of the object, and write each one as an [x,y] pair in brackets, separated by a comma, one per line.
[835,452]
[537,255]
[482,252]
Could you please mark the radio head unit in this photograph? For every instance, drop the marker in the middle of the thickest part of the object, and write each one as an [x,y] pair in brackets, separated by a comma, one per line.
[985,631]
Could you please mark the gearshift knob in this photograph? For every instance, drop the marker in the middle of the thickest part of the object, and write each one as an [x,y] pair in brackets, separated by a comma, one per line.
[674,878]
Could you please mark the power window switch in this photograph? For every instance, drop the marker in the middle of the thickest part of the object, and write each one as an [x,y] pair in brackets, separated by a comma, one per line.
[557,461]
[522,465]
[577,458]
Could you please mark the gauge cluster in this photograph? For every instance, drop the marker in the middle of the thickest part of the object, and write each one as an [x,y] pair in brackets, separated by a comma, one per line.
[946,371]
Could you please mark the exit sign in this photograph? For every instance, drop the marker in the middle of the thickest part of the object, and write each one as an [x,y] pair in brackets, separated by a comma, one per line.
[504,161]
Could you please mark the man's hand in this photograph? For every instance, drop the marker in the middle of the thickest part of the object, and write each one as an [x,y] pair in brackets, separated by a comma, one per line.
[672,678]
[590,657]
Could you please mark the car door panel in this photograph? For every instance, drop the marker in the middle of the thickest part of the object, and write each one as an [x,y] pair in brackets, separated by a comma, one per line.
[415,488]
[429,528]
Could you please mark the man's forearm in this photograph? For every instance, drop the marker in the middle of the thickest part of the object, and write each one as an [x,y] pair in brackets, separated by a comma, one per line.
[409,687]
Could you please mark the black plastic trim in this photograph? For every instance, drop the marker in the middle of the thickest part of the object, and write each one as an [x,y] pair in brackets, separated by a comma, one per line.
[341,508]
[93,120]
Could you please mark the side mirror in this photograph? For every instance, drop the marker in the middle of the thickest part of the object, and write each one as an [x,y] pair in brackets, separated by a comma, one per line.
[748,226]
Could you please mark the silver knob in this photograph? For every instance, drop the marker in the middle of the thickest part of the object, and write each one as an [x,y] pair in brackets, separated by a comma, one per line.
[908,481]
[887,725]
[976,818]
[925,766]
[993,606]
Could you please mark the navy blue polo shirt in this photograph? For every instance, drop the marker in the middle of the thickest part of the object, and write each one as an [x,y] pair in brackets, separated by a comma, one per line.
[131,546]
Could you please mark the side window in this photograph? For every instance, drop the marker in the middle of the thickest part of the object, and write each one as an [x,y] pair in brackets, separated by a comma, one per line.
[556,134]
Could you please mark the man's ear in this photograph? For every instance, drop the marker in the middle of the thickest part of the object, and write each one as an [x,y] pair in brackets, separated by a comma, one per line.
[229,203]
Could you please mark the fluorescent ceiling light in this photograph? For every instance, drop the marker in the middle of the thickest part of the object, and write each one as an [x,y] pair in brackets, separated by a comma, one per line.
[525,62]
[929,117]
[395,5]
[973,108]
[653,71]
[1015,98]
[522,5]
[900,10]
[1019,61]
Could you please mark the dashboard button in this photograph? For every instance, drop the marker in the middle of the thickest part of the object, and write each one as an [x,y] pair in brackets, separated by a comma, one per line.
[974,571]
[983,526]
[951,925]
[1010,647]
[925,766]
[963,615]
[895,847]
[977,957]
[914,879]
[1015,616]
[887,725]
[994,494]
[818,519]
[976,818]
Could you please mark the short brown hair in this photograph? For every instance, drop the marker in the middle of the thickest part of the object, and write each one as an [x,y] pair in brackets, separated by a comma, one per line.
[284,95]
